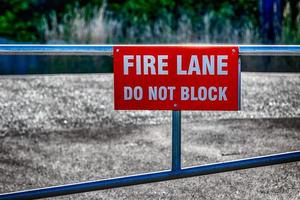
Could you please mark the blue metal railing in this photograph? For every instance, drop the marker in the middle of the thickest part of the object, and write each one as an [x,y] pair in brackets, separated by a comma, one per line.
[154,177]
[244,50]
[176,140]
[176,171]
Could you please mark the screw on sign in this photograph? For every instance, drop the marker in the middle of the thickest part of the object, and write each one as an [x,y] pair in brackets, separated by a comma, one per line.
[176,78]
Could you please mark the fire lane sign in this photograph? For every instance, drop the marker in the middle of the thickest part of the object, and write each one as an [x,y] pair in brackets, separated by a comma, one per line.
[176,78]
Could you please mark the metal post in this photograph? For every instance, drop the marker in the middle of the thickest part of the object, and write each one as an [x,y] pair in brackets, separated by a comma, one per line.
[176,140]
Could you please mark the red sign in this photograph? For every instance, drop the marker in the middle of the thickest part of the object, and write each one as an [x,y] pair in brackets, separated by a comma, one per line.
[176,78]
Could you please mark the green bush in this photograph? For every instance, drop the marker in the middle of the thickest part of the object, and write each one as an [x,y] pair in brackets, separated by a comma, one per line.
[17,21]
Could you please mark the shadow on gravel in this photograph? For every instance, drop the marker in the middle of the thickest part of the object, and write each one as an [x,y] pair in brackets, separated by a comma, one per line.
[293,123]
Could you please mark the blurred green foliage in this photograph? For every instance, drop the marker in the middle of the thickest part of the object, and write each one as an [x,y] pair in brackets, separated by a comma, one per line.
[291,23]
[139,12]
[17,20]
[21,20]
[144,14]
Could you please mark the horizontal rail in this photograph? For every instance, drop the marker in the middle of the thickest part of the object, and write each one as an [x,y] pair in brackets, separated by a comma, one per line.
[87,50]
[245,50]
[154,177]
[269,50]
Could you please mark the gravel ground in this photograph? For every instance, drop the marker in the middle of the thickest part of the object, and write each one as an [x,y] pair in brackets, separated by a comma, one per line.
[63,129]
[84,101]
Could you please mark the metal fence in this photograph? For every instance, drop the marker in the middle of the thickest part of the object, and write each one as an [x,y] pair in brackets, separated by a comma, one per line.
[176,172]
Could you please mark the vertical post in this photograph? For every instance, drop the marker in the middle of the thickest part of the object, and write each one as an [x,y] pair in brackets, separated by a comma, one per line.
[176,140]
